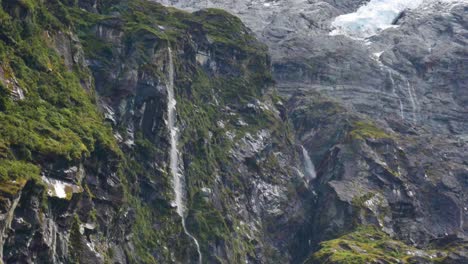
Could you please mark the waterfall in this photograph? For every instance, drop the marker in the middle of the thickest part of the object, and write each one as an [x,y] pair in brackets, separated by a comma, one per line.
[308,165]
[413,102]
[402,113]
[178,177]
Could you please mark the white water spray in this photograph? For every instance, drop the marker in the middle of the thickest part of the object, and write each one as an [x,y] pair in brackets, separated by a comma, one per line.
[308,164]
[178,177]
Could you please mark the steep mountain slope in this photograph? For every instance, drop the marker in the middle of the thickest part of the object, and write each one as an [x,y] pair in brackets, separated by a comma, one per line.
[408,183]
[96,196]
[237,154]
[406,84]
[414,71]
[137,133]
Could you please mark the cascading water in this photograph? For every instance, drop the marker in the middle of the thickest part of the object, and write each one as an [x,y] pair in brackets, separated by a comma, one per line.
[308,165]
[178,177]
[412,100]
[402,113]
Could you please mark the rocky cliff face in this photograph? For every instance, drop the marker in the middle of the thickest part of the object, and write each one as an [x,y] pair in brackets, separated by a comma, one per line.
[394,87]
[395,177]
[81,192]
[413,71]
[238,155]
[85,168]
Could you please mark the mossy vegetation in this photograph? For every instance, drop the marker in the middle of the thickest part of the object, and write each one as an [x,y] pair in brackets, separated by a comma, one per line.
[57,119]
[210,110]
[359,201]
[365,129]
[146,238]
[224,28]
[11,170]
[366,244]
[11,188]
[76,244]
[206,151]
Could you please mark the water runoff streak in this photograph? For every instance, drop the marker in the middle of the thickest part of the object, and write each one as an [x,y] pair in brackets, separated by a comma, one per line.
[412,99]
[178,177]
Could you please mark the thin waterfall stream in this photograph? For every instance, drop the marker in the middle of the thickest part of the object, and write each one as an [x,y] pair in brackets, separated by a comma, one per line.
[308,164]
[402,113]
[178,177]
[412,100]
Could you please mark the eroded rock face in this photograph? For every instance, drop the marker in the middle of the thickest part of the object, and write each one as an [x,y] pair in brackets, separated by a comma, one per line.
[249,196]
[408,80]
[241,165]
[415,71]
[398,179]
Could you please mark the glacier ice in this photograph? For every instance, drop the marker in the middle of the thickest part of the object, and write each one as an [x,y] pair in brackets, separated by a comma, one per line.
[375,16]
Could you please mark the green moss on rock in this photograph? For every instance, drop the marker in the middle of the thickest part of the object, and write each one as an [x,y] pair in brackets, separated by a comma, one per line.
[366,244]
[365,129]
[57,119]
